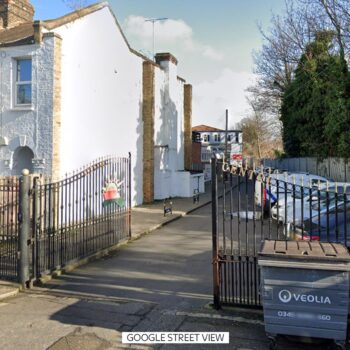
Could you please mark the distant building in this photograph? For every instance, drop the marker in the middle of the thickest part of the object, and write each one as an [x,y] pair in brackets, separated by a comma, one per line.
[207,140]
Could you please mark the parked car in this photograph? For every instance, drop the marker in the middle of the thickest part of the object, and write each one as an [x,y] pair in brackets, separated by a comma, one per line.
[319,201]
[263,170]
[332,226]
[301,194]
[280,187]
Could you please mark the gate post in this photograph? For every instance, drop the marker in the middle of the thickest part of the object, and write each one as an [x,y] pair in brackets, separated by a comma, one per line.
[214,190]
[129,194]
[24,228]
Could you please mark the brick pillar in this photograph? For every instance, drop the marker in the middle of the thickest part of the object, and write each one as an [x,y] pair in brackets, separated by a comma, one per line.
[148,132]
[188,125]
[56,113]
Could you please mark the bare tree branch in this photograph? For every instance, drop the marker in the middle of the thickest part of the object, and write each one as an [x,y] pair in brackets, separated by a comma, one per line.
[75,4]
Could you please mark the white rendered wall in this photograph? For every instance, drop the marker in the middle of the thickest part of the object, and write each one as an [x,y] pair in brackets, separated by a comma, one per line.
[180,122]
[162,132]
[27,126]
[186,183]
[101,96]
[170,179]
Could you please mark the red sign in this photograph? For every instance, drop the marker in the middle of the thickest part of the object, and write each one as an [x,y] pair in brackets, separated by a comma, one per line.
[236,157]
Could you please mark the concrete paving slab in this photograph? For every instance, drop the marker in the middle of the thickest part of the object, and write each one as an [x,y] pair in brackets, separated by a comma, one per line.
[150,217]
[8,289]
[79,340]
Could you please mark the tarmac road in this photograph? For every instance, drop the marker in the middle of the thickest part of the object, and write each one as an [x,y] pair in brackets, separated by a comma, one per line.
[161,282]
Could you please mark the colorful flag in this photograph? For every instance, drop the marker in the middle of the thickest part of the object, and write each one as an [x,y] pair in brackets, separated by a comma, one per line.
[111,195]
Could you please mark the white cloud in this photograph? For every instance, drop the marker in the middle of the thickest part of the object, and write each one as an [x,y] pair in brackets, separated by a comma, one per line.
[215,55]
[212,98]
[168,34]
[165,30]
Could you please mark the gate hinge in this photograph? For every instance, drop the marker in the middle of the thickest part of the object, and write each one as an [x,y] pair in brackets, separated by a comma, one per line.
[215,261]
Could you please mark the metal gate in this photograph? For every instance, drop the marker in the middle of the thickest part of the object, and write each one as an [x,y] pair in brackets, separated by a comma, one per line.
[80,215]
[249,207]
[9,200]
[237,232]
[46,225]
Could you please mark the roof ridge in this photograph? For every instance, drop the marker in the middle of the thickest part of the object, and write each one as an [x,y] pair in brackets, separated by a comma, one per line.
[207,127]
[74,15]
[14,35]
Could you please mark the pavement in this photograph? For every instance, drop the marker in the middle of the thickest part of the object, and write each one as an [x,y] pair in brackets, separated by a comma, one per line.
[160,281]
[149,217]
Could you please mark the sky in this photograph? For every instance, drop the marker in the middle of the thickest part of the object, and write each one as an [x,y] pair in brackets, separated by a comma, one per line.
[212,40]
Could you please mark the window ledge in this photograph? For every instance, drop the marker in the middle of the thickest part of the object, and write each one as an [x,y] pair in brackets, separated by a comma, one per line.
[22,108]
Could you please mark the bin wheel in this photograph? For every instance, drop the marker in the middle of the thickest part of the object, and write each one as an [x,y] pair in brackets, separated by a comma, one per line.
[340,345]
[272,343]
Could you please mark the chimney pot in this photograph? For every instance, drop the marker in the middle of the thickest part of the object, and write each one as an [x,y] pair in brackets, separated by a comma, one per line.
[166,56]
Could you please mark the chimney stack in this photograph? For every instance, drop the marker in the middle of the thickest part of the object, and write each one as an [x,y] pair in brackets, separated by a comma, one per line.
[15,12]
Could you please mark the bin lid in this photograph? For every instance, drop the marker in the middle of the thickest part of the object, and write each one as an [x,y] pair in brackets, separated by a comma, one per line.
[312,251]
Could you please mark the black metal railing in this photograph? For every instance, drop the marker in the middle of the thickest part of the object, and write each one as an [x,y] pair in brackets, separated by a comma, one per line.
[80,215]
[45,225]
[9,200]
[252,207]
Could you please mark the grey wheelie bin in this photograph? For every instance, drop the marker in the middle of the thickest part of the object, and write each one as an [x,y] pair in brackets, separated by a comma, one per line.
[305,289]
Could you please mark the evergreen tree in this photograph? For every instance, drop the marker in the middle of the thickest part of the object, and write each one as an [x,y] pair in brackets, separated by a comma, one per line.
[315,106]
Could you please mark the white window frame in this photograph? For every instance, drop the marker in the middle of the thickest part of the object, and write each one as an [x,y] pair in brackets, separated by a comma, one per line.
[205,155]
[16,83]
[206,138]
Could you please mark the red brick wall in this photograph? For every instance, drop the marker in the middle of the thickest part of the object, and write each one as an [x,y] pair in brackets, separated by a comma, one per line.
[196,152]
[148,132]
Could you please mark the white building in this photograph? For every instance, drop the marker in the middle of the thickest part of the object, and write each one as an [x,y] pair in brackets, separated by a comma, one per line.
[208,140]
[73,90]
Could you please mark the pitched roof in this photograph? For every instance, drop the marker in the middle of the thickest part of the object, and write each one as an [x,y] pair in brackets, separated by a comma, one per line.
[203,128]
[70,17]
[23,34]
[20,35]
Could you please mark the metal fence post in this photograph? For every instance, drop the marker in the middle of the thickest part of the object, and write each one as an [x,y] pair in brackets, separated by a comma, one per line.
[36,227]
[129,194]
[214,189]
[345,167]
[24,228]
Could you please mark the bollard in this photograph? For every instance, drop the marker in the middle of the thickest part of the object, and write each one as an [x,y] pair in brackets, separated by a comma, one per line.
[24,228]
[195,196]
